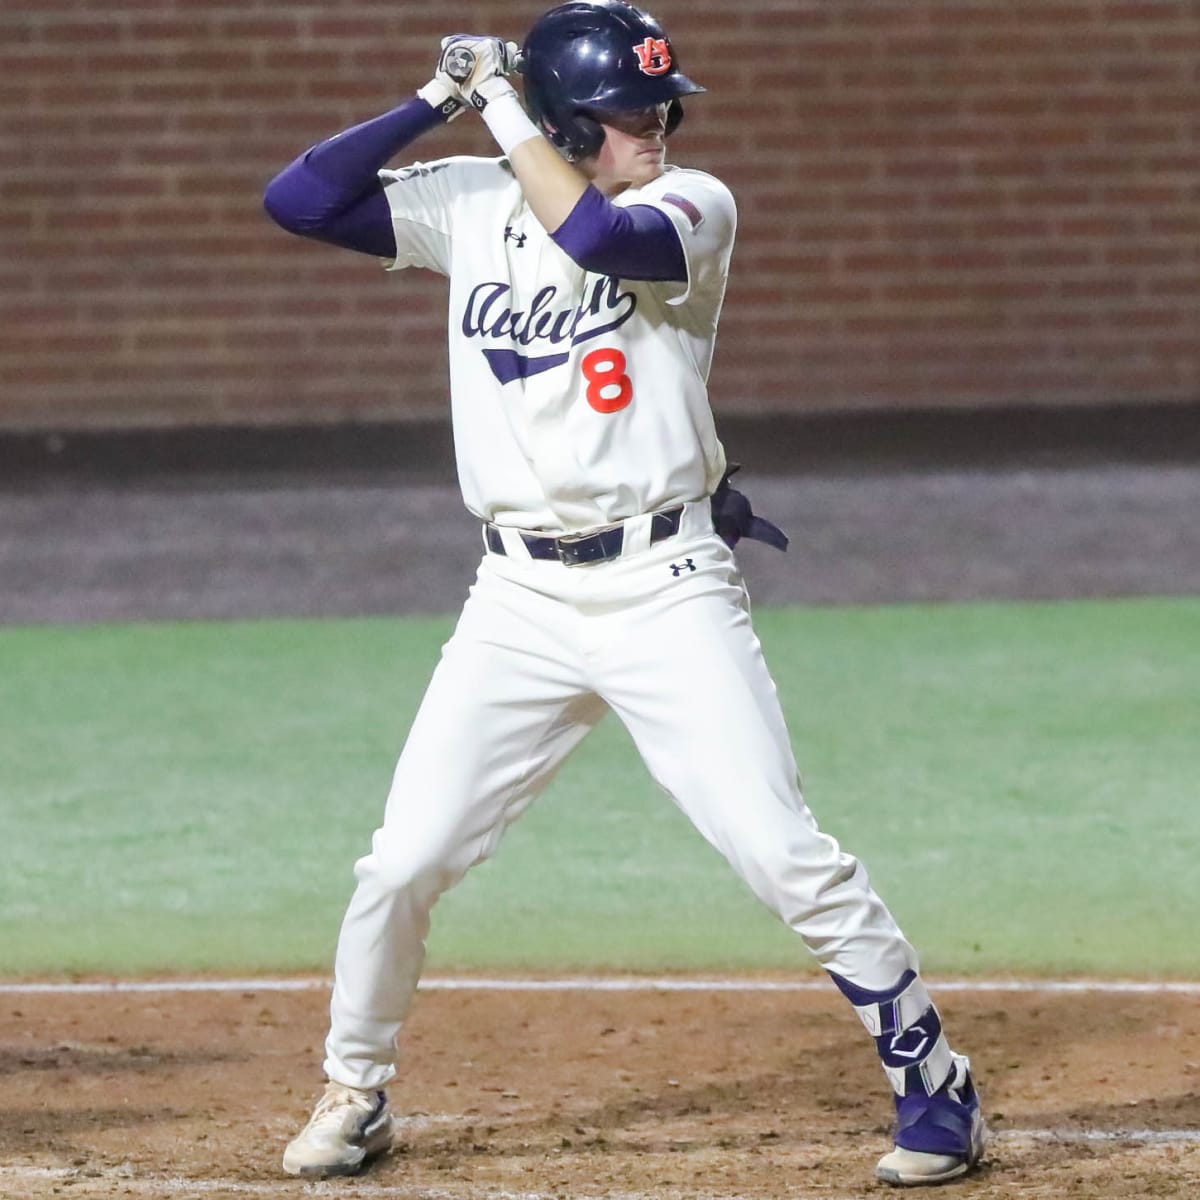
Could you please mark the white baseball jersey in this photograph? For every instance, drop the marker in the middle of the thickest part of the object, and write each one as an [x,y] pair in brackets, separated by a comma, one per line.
[577,399]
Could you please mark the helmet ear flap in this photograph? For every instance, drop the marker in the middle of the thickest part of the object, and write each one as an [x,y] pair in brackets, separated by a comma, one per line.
[580,137]
[674,116]
[589,137]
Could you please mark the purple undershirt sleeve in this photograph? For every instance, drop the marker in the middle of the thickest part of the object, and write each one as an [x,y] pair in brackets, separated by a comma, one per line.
[638,242]
[332,192]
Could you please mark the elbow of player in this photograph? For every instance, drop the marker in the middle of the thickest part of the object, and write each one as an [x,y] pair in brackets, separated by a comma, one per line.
[282,205]
[277,208]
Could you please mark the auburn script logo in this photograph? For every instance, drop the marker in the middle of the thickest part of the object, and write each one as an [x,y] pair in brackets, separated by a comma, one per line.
[654,56]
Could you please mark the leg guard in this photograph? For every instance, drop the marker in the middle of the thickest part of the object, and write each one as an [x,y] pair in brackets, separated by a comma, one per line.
[940,1131]
[907,1032]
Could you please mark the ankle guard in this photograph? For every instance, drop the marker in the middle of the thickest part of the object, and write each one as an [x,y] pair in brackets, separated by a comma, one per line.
[907,1032]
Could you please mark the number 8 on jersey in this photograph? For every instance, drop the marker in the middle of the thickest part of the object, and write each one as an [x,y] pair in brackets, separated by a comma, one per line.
[605,370]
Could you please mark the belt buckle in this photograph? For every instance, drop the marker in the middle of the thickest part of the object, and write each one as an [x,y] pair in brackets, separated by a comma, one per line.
[568,541]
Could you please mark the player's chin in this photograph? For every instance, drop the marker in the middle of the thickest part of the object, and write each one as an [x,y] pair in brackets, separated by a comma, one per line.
[649,167]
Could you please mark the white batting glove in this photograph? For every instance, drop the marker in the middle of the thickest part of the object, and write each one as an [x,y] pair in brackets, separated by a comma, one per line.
[478,66]
[441,92]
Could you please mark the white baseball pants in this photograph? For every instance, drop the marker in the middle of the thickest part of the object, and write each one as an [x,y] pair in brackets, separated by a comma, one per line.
[663,637]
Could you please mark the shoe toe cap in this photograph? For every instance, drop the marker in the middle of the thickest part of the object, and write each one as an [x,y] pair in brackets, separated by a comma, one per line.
[909,1168]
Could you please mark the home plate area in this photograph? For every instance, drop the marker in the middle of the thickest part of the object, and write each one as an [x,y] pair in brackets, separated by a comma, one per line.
[698,1092]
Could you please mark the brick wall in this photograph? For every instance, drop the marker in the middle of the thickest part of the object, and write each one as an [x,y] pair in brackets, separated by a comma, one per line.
[943,202]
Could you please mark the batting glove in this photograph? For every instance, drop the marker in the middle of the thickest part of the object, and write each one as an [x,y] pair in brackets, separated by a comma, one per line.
[478,66]
[441,93]
[734,519]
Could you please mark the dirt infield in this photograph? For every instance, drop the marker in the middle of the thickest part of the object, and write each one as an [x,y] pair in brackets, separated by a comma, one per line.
[552,1094]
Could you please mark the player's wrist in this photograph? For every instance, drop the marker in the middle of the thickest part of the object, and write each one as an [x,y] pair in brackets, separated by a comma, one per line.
[504,114]
[442,97]
[489,90]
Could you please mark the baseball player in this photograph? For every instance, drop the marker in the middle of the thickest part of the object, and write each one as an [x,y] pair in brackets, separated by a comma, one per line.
[586,280]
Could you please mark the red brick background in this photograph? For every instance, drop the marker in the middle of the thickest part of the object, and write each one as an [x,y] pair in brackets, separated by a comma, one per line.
[943,202]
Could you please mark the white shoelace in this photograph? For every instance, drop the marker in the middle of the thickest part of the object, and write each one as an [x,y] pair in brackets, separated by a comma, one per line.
[330,1112]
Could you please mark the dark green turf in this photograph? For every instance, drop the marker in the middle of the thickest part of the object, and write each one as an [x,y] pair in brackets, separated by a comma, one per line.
[1020,779]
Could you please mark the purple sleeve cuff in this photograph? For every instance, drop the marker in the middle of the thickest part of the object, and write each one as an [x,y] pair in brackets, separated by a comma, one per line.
[638,242]
[332,192]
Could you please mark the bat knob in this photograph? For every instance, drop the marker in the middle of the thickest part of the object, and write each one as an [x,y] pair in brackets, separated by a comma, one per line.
[459,63]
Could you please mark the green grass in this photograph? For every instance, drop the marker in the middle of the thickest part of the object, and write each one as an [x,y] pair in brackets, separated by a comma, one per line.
[1020,779]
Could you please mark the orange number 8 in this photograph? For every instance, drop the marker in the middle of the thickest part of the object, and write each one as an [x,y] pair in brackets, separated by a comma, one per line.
[605,370]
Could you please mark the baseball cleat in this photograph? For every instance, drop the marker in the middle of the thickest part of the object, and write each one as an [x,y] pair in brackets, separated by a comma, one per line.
[938,1137]
[347,1130]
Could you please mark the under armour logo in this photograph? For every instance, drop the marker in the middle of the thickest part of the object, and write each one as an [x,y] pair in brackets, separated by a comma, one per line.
[678,569]
[519,238]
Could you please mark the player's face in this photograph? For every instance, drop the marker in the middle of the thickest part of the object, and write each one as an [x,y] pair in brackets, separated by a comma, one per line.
[633,151]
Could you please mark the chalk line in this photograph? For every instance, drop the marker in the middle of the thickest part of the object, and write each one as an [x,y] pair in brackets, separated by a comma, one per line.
[132,1183]
[1140,1137]
[143,1185]
[632,983]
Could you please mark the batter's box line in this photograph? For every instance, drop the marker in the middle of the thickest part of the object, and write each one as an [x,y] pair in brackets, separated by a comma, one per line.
[133,1184]
[1140,1137]
[630,983]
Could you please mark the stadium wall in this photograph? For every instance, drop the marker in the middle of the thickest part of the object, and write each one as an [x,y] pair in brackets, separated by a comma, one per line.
[943,203]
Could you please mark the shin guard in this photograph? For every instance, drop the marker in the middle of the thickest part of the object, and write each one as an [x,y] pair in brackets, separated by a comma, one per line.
[907,1031]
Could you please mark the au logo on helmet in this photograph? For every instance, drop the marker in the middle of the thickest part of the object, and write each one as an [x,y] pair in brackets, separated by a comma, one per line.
[654,56]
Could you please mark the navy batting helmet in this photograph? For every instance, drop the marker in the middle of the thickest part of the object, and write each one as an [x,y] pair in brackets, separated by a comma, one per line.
[598,56]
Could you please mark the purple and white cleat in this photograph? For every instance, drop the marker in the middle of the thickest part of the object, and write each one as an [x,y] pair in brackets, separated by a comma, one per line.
[938,1137]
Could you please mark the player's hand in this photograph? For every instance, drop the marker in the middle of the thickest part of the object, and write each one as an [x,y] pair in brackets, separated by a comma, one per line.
[477,66]
[455,64]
